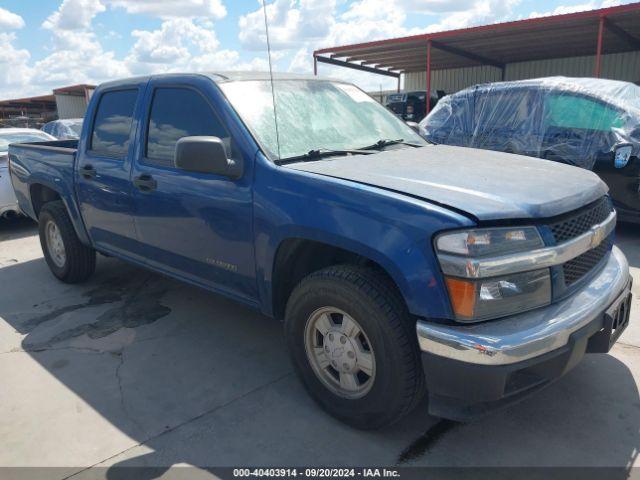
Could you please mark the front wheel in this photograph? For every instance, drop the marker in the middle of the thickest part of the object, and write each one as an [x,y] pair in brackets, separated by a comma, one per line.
[68,259]
[354,346]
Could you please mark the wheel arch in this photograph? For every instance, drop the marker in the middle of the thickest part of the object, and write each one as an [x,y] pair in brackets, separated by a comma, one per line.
[297,257]
[41,193]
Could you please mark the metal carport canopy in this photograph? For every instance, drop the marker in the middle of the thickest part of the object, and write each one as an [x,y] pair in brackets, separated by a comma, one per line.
[606,30]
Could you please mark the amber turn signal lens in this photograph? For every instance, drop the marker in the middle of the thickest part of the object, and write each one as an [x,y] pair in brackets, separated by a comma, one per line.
[463,296]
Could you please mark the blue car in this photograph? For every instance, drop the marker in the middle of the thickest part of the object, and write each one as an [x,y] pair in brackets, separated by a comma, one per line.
[587,122]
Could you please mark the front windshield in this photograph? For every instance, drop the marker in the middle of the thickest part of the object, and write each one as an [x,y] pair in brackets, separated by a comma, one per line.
[314,115]
[8,138]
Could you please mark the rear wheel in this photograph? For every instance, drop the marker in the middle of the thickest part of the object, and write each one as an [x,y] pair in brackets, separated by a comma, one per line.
[68,259]
[354,345]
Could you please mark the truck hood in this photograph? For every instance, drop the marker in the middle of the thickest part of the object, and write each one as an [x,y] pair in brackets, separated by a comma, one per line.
[486,184]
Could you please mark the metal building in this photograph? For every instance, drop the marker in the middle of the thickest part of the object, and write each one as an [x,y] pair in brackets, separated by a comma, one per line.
[65,102]
[27,112]
[72,101]
[598,43]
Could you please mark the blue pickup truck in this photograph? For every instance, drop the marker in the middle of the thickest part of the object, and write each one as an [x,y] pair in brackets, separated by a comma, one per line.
[398,267]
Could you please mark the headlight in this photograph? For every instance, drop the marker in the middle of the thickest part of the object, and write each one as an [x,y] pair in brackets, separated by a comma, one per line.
[489,241]
[474,299]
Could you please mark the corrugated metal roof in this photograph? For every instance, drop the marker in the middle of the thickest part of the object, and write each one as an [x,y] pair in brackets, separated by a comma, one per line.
[569,35]
[79,89]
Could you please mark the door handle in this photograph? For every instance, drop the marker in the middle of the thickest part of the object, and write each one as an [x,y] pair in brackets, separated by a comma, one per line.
[145,183]
[88,172]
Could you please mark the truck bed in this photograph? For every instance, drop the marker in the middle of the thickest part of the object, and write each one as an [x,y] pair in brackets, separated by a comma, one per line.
[42,163]
[62,146]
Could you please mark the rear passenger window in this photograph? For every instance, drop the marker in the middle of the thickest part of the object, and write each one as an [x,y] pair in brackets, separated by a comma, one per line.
[574,112]
[112,123]
[177,113]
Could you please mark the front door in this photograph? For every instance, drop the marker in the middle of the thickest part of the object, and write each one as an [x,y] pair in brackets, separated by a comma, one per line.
[194,225]
[103,171]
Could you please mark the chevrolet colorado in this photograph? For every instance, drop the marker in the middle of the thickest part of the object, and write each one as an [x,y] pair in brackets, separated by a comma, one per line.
[399,267]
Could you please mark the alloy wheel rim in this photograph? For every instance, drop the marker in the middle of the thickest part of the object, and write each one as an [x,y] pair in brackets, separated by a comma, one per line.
[340,352]
[55,245]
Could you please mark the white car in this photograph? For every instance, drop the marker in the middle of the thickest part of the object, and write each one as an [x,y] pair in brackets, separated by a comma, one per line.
[8,202]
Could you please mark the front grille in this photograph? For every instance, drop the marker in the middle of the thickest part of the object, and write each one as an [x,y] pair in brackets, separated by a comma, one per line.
[575,224]
[581,221]
[577,268]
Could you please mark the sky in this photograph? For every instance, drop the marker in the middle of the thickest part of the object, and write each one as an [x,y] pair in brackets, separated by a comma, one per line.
[46,44]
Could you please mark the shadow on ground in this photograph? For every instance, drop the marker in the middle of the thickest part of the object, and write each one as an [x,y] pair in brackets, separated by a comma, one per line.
[628,240]
[193,378]
[14,228]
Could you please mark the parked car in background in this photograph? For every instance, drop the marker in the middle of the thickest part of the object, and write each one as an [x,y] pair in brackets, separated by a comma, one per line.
[588,122]
[66,129]
[396,265]
[409,106]
[8,202]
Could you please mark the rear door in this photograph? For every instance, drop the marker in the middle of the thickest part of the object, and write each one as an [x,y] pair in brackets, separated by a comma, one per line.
[103,170]
[193,225]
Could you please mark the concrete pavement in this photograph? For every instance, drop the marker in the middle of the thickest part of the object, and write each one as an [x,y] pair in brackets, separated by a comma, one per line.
[136,369]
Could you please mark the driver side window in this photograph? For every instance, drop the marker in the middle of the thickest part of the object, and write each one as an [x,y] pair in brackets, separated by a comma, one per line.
[178,113]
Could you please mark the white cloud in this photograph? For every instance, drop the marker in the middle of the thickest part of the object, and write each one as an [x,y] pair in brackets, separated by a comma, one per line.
[74,15]
[77,54]
[10,20]
[580,7]
[434,6]
[171,46]
[482,12]
[172,9]
[14,62]
[182,44]
[78,58]
[290,23]
[15,73]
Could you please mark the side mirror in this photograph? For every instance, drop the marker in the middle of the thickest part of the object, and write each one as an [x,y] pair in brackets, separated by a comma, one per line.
[206,155]
[414,126]
[622,154]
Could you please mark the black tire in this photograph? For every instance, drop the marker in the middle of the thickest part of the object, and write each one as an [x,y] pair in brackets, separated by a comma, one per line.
[369,298]
[80,261]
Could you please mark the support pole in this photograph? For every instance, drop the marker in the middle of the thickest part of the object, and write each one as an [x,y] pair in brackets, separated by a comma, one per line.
[315,65]
[398,89]
[428,100]
[596,72]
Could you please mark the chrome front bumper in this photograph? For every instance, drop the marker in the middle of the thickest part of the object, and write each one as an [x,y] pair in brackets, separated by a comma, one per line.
[530,334]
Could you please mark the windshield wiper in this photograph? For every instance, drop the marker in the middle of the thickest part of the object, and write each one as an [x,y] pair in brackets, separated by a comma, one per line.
[382,143]
[321,153]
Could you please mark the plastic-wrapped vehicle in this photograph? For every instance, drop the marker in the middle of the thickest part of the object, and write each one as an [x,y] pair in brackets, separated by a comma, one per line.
[67,129]
[588,122]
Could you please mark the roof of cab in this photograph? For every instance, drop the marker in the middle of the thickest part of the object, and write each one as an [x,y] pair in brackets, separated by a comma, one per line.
[217,77]
[222,77]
